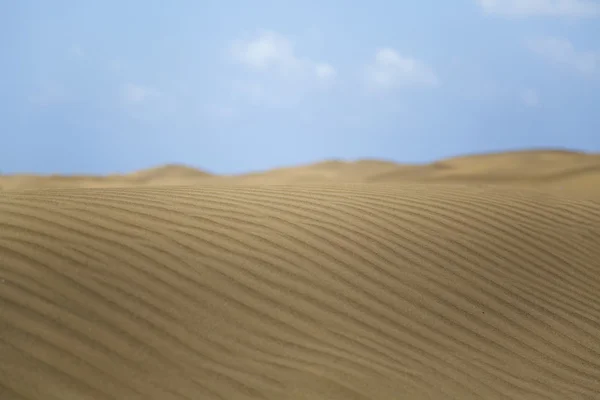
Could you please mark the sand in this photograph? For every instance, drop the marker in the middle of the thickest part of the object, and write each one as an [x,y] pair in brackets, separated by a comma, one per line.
[471,278]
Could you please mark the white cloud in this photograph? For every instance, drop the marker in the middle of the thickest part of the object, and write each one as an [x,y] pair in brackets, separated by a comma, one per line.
[530,98]
[562,52]
[272,52]
[325,71]
[135,94]
[391,70]
[275,75]
[551,8]
[265,50]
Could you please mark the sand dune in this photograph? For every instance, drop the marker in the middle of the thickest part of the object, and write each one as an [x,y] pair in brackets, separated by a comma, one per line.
[556,171]
[301,291]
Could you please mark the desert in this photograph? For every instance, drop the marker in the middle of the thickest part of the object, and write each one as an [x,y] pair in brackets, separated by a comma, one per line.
[461,279]
[300,200]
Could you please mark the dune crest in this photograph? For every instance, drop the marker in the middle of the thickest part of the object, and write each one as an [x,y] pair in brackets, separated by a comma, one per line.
[168,171]
[554,171]
[333,291]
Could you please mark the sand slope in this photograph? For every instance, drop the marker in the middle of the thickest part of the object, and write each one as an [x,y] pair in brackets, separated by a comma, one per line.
[408,291]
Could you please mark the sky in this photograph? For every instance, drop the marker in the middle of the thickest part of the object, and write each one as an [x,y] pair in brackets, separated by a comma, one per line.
[232,86]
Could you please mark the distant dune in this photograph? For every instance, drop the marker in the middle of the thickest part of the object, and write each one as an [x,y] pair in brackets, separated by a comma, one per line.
[574,172]
[471,278]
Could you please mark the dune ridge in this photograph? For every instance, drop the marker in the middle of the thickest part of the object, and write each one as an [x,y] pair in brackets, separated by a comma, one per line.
[573,172]
[324,291]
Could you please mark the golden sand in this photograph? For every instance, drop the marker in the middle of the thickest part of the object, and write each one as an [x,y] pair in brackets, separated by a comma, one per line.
[471,278]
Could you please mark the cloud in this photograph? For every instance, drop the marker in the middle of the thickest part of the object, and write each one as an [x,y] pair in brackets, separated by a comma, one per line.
[325,71]
[269,51]
[562,52]
[264,50]
[550,8]
[530,98]
[274,75]
[135,94]
[391,70]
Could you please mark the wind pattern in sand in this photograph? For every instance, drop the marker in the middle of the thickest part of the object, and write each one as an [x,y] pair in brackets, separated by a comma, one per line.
[290,292]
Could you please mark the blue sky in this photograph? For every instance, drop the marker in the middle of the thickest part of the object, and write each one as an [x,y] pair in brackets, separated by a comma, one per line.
[235,86]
